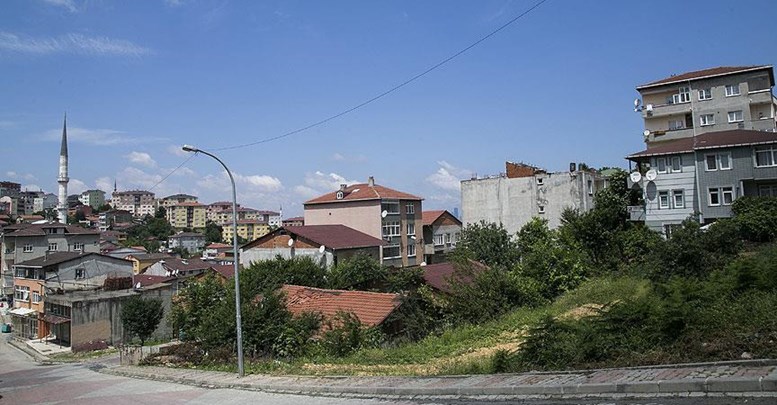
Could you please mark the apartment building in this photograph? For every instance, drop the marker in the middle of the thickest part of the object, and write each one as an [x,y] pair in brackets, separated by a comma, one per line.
[378,211]
[138,202]
[523,192]
[24,242]
[441,232]
[176,199]
[191,215]
[716,99]
[44,202]
[247,229]
[218,207]
[92,198]
[703,175]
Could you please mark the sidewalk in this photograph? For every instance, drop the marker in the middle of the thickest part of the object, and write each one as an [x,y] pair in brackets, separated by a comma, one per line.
[756,378]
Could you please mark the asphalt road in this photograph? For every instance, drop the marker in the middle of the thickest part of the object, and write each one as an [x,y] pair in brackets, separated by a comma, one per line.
[22,381]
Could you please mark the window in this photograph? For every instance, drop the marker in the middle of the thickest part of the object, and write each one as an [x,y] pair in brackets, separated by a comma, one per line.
[53,246]
[390,207]
[732,90]
[719,161]
[78,246]
[447,238]
[438,239]
[765,156]
[705,94]
[683,95]
[676,164]
[676,124]
[663,200]
[767,190]
[590,187]
[80,273]
[721,196]
[541,209]
[391,252]
[410,208]
[735,116]
[540,181]
[391,228]
[410,229]
[678,198]
[21,293]
[661,165]
[411,250]
[707,119]
[36,298]
[28,248]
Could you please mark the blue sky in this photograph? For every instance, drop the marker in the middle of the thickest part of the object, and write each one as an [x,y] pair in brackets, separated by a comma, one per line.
[138,79]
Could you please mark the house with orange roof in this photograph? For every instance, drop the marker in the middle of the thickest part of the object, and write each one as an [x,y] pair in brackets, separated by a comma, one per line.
[441,232]
[378,211]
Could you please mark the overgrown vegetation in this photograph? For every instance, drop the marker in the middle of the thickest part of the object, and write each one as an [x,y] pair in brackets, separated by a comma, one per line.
[597,291]
[141,316]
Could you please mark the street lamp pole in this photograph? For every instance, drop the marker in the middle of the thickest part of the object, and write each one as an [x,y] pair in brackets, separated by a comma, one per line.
[240,370]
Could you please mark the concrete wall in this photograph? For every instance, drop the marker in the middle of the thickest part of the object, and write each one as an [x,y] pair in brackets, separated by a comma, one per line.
[95,270]
[364,216]
[514,202]
[656,217]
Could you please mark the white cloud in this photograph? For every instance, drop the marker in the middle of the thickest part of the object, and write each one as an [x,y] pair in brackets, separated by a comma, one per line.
[71,44]
[99,137]
[306,191]
[132,177]
[75,186]
[339,157]
[141,158]
[31,187]
[22,176]
[447,177]
[104,184]
[244,183]
[174,3]
[69,5]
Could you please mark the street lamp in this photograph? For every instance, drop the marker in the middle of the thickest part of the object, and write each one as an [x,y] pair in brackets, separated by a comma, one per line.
[240,370]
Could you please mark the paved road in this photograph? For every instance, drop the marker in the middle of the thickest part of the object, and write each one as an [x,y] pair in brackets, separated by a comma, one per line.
[23,381]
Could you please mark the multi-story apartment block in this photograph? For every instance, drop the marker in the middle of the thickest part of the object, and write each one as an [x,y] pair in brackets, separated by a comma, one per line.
[137,202]
[10,189]
[722,166]
[176,199]
[189,241]
[92,198]
[248,229]
[441,232]
[294,221]
[271,217]
[216,208]
[378,211]
[45,202]
[24,242]
[191,215]
[523,192]
[716,99]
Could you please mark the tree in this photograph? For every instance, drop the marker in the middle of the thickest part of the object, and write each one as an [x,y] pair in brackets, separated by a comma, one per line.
[360,272]
[487,243]
[141,316]
[213,232]
[160,212]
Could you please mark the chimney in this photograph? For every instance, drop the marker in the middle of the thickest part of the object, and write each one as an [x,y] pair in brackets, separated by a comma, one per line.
[343,187]
[371,181]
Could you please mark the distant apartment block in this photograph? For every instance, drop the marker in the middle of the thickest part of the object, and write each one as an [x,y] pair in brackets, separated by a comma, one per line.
[378,211]
[191,215]
[441,232]
[716,99]
[294,221]
[44,202]
[524,192]
[138,202]
[176,199]
[247,229]
[216,208]
[189,241]
[92,198]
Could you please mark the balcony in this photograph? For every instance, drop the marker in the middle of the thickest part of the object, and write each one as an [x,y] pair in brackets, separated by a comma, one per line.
[662,110]
[760,96]
[636,213]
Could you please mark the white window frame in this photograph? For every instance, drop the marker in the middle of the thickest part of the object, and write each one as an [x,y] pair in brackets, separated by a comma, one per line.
[727,190]
[438,239]
[410,208]
[36,297]
[741,117]
[410,229]
[683,95]
[540,181]
[721,193]
[80,273]
[710,192]
[391,228]
[767,190]
[675,125]
[411,249]
[678,202]
[705,94]
[78,246]
[671,165]
[28,248]
[720,161]
[661,161]
[397,247]
[732,90]
[540,209]
[392,207]
[771,151]
[18,293]
[717,159]
[706,119]
[663,200]
[447,238]
[53,246]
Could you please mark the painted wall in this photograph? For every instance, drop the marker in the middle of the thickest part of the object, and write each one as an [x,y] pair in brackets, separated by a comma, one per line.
[655,216]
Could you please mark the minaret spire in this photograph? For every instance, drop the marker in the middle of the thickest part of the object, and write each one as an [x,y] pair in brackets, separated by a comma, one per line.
[63,179]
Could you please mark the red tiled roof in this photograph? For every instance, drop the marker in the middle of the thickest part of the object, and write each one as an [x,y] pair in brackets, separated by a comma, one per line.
[216,245]
[146,280]
[185,265]
[438,276]
[332,236]
[363,192]
[705,73]
[371,308]
[226,270]
[428,217]
[188,204]
[709,140]
[38,230]
[292,219]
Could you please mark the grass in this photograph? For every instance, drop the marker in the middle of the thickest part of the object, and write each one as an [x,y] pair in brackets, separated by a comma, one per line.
[89,355]
[464,349]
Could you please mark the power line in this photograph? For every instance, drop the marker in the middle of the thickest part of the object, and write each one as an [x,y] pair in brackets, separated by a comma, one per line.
[391,90]
[172,171]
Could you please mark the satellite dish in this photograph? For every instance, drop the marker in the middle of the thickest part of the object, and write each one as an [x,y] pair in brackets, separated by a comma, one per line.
[321,249]
[651,175]
[646,132]
[635,177]
[137,286]
[383,214]
[649,107]
[423,264]
[412,237]
[291,242]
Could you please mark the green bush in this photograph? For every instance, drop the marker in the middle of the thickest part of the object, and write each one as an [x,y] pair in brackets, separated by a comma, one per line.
[347,334]
[756,217]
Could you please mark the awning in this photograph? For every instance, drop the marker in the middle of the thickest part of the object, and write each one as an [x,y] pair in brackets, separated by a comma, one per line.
[55,320]
[22,311]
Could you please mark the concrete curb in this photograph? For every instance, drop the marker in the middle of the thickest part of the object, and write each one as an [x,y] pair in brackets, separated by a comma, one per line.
[39,358]
[414,387]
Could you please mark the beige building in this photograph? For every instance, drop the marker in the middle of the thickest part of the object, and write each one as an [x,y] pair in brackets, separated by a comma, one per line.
[248,229]
[378,211]
[138,202]
[709,100]
[191,215]
[176,199]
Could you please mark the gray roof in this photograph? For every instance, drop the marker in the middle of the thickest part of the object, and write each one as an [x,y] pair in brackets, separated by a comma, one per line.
[53,259]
